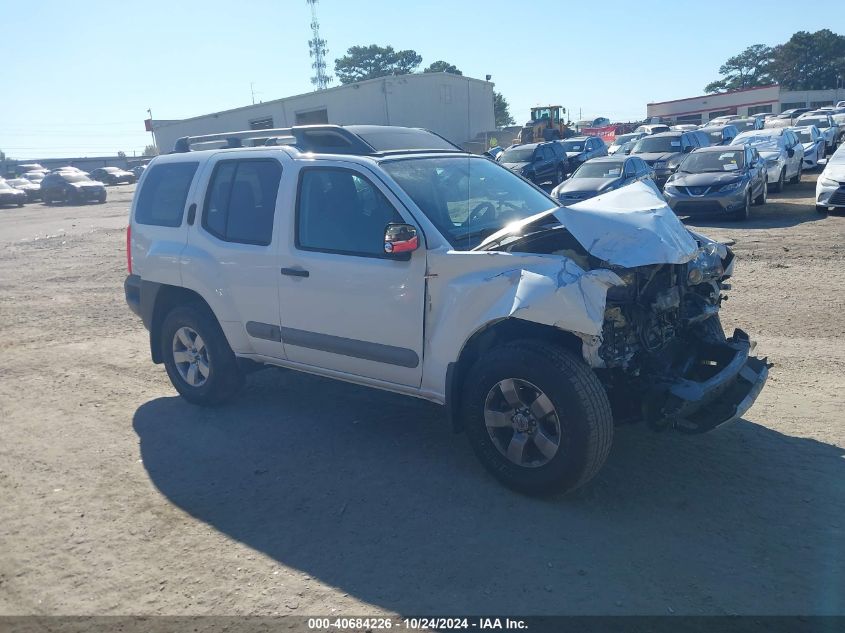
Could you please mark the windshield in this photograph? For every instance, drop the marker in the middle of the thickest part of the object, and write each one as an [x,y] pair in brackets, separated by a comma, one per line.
[805,134]
[73,177]
[701,162]
[599,169]
[756,139]
[466,198]
[4,185]
[110,169]
[517,155]
[744,124]
[572,146]
[819,122]
[624,138]
[657,144]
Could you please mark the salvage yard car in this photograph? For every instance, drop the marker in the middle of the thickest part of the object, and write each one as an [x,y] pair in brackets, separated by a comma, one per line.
[537,162]
[783,153]
[830,187]
[11,195]
[32,189]
[813,143]
[718,181]
[624,142]
[113,176]
[826,125]
[388,257]
[664,152]
[601,175]
[71,187]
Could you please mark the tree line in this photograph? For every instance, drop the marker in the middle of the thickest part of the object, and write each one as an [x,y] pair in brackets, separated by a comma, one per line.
[373,61]
[807,61]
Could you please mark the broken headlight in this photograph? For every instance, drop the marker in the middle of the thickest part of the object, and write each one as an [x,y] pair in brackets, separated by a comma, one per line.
[707,265]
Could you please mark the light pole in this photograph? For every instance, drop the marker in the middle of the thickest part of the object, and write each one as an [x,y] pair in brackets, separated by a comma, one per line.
[152,131]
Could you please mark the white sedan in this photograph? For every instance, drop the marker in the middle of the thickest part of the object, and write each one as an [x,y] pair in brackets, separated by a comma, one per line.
[813,142]
[830,187]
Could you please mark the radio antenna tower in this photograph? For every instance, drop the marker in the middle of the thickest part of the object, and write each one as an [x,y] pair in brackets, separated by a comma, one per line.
[317,49]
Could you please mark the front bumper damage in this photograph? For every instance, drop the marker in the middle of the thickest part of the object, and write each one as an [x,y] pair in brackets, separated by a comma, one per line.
[719,384]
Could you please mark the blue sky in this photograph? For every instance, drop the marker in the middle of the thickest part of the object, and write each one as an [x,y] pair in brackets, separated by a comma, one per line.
[79,76]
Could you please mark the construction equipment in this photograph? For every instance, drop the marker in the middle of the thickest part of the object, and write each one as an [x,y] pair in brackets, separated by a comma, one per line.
[546,124]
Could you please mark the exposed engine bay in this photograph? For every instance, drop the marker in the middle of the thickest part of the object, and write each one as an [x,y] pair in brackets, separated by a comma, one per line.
[662,354]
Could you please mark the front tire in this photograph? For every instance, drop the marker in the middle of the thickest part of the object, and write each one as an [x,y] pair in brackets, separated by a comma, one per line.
[745,212]
[537,417]
[763,198]
[778,186]
[197,357]
[559,175]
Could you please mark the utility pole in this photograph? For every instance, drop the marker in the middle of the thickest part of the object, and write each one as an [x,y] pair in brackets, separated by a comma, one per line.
[317,50]
[252,91]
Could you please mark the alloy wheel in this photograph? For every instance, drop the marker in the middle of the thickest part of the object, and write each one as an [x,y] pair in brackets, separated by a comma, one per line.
[190,356]
[522,423]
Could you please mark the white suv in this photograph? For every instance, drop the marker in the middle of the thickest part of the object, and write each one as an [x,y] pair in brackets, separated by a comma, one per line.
[389,258]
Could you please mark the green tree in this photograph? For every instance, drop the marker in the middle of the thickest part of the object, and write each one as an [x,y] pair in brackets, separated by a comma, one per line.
[150,150]
[369,62]
[442,67]
[810,61]
[501,111]
[752,67]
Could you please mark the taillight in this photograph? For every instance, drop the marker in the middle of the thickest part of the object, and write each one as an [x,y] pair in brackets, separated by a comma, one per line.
[129,249]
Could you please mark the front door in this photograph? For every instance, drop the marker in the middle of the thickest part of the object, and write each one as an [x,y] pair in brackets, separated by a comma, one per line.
[344,304]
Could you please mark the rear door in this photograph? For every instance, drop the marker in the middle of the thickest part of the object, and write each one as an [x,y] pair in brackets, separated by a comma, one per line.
[159,229]
[232,253]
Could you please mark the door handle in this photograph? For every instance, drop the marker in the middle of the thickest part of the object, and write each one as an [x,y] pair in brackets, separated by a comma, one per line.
[295,272]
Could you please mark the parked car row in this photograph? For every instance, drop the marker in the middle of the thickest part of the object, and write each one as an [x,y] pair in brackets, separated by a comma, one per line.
[68,186]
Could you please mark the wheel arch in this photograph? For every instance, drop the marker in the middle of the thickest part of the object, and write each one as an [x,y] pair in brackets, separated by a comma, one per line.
[162,300]
[492,335]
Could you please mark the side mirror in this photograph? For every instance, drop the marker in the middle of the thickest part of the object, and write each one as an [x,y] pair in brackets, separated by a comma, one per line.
[791,152]
[627,150]
[538,158]
[400,240]
[688,149]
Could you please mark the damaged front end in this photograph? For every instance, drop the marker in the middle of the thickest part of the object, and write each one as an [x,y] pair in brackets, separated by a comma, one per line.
[661,354]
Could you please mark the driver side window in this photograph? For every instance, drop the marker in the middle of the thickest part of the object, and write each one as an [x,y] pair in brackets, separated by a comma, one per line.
[341,211]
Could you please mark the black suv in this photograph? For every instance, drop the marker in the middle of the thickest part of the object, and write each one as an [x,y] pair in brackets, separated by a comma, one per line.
[71,188]
[663,152]
[538,162]
[580,149]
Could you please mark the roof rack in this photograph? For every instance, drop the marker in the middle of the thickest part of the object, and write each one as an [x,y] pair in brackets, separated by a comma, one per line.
[367,140]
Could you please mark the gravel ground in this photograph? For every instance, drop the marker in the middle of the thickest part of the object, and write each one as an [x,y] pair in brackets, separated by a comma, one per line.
[308,496]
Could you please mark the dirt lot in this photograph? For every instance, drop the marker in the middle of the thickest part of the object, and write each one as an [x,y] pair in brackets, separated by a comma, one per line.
[313,497]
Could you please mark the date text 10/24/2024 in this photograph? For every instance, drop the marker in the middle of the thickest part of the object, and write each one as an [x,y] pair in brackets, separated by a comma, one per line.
[416,624]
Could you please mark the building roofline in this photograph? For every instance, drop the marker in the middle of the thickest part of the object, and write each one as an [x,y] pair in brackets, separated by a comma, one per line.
[157,124]
[715,94]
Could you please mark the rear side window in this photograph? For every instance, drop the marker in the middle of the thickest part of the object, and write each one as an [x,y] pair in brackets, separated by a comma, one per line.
[241,200]
[161,201]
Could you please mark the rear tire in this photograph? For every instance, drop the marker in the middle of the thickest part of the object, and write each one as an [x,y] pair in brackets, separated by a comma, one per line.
[577,417]
[215,377]
[559,175]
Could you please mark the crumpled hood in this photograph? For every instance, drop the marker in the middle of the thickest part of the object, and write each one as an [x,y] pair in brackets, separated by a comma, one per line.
[630,226]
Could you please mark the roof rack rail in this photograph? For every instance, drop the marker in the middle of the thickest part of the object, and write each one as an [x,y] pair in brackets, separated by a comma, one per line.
[335,139]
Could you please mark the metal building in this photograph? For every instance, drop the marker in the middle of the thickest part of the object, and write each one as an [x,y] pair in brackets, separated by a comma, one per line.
[454,106]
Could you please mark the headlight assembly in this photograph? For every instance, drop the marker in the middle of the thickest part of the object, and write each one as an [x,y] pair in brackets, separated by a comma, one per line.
[731,186]
[828,182]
